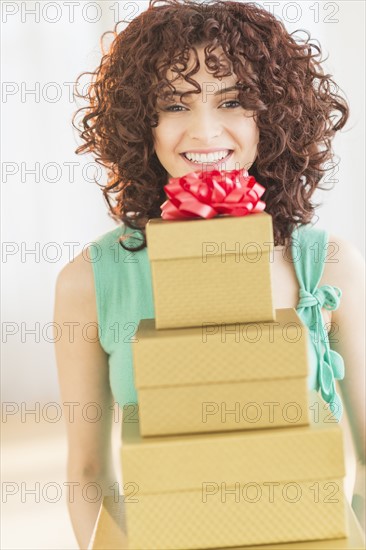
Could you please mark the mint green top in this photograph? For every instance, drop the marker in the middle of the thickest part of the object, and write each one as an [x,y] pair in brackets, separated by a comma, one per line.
[124,296]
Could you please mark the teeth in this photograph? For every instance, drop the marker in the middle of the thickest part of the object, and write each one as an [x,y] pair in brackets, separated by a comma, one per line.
[211,157]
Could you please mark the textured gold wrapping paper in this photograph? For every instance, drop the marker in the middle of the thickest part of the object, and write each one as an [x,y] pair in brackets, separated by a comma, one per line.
[215,270]
[219,378]
[183,521]
[111,533]
[230,489]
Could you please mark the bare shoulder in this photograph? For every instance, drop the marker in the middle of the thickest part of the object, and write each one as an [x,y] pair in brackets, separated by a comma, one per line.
[344,262]
[345,268]
[79,270]
[75,285]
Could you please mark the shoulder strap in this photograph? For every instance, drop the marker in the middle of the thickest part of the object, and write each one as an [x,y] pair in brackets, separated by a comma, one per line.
[104,256]
[122,283]
[309,251]
[308,255]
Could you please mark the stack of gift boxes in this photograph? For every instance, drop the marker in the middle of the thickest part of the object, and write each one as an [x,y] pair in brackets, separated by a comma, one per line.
[230,448]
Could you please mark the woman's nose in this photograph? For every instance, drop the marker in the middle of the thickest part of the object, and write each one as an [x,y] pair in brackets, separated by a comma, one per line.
[204,126]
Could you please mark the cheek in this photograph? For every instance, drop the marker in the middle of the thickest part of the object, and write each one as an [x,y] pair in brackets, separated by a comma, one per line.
[252,132]
[255,129]
[248,133]
[162,136]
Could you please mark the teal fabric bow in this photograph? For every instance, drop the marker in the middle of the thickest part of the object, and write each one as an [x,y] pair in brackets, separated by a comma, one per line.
[311,300]
[325,296]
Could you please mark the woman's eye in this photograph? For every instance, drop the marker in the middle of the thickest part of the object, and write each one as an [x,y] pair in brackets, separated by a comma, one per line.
[232,101]
[171,107]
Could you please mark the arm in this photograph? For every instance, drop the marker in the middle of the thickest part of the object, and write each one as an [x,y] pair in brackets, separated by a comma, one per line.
[83,378]
[348,323]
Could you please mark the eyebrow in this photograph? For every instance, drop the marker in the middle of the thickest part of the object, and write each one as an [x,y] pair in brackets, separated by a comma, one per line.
[231,88]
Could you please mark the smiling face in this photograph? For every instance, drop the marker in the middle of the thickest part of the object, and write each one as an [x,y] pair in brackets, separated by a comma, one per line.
[211,120]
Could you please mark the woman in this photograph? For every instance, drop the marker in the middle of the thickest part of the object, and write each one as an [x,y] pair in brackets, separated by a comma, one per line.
[278,122]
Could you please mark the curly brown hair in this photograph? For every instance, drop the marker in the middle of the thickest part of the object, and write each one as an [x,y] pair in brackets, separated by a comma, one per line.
[295,104]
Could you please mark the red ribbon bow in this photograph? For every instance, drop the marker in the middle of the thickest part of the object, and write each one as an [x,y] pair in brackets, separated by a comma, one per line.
[207,194]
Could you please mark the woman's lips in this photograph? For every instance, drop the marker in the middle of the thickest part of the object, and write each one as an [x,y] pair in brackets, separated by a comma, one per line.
[212,165]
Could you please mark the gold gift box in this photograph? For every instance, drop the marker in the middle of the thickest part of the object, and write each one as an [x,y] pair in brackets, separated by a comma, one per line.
[111,533]
[231,489]
[211,270]
[222,377]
